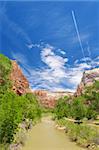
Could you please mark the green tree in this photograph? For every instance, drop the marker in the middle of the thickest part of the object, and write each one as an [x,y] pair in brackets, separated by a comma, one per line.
[62,108]
[78,108]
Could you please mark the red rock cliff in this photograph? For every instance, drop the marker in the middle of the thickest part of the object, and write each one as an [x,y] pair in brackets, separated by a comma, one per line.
[48,99]
[88,79]
[20,84]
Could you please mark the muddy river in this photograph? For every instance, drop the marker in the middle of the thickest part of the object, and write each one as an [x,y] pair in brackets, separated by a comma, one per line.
[44,136]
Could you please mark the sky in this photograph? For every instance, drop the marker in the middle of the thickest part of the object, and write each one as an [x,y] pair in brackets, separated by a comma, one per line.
[53,42]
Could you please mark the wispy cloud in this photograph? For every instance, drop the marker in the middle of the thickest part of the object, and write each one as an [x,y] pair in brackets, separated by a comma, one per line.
[12,27]
[61,51]
[88,49]
[83,36]
[19,57]
[30,46]
[54,75]
[87,63]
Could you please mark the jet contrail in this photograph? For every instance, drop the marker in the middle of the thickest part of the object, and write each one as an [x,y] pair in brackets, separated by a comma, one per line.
[77,31]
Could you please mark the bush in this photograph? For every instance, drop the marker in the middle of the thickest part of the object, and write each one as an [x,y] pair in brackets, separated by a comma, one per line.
[13,110]
[96,85]
[10,116]
[33,109]
[78,108]
[90,113]
[5,69]
[85,106]
[62,108]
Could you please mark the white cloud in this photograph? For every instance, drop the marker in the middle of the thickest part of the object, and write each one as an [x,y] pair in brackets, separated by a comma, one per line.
[19,57]
[55,75]
[97,58]
[74,76]
[53,61]
[86,59]
[62,52]
[87,63]
[84,66]
[30,46]
[51,80]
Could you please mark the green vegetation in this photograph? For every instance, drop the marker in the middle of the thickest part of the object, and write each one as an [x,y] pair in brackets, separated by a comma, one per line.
[5,69]
[14,109]
[83,134]
[83,108]
[47,111]
[62,108]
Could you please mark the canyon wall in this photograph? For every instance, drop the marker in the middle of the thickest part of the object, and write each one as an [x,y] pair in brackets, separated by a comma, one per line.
[20,84]
[48,99]
[88,79]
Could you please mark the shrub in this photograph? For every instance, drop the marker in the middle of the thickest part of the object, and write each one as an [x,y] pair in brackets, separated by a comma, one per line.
[90,113]
[78,108]
[5,69]
[13,110]
[62,108]
[10,116]
[96,85]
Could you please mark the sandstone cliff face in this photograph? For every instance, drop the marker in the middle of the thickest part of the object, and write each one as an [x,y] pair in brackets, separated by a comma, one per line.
[44,99]
[88,79]
[20,84]
[48,99]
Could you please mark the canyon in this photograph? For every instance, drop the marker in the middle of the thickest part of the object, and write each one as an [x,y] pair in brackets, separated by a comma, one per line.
[48,99]
[20,85]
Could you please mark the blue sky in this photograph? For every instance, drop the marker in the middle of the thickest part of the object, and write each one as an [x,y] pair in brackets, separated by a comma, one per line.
[42,37]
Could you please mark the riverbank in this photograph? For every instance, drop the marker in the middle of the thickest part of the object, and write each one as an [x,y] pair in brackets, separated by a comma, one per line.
[44,136]
[84,135]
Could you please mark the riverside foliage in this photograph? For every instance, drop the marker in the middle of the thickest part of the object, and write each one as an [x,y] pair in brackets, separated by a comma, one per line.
[13,108]
[84,106]
[84,135]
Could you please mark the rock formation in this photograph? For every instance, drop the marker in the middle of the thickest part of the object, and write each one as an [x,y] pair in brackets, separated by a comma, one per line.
[48,99]
[88,79]
[20,84]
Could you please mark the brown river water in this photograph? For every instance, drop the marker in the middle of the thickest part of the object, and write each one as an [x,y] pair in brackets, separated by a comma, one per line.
[44,136]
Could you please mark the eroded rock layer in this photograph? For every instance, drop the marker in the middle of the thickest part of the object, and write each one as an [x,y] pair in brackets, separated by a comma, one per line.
[88,79]
[20,84]
[48,99]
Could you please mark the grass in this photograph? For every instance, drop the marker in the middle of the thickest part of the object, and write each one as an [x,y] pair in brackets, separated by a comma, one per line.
[83,135]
